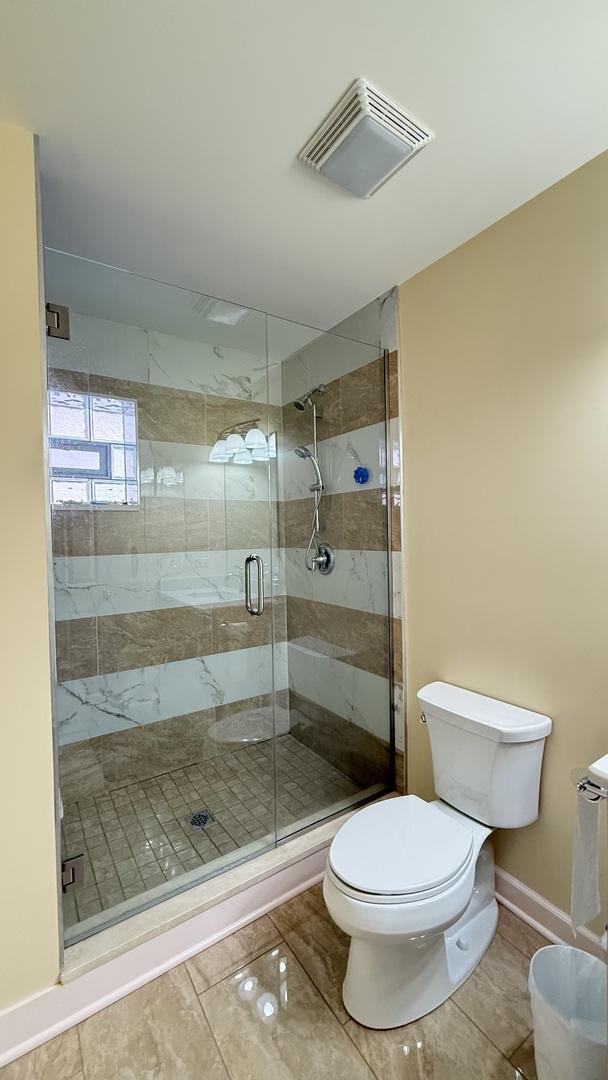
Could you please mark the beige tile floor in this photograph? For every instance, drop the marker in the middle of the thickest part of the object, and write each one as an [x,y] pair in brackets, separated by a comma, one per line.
[137,837]
[265,1004]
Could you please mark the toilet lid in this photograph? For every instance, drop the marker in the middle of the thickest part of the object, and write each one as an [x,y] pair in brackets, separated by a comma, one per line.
[400,846]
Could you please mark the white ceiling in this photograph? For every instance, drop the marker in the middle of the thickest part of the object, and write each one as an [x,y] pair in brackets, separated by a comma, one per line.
[169,132]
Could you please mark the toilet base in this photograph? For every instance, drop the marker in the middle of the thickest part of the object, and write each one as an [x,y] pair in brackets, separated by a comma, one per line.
[411,979]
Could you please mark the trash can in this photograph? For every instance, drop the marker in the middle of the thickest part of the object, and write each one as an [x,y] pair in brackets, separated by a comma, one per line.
[569,995]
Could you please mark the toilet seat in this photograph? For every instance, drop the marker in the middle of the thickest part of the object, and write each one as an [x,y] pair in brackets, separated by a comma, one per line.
[399,851]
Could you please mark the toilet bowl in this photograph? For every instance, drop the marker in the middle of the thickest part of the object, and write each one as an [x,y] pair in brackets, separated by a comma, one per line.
[412,882]
[405,957]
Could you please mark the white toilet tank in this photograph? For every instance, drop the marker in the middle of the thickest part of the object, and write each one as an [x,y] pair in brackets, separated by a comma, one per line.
[487,755]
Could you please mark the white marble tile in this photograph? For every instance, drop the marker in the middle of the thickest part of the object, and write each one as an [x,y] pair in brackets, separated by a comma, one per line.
[359,580]
[119,350]
[332,355]
[395,452]
[206,369]
[328,356]
[397,585]
[122,700]
[362,325]
[295,377]
[101,347]
[192,476]
[110,584]
[300,582]
[356,695]
[399,703]
[376,323]
[388,315]
[338,459]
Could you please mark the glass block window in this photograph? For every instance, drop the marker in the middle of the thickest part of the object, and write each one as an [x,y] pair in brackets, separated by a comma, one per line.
[93,450]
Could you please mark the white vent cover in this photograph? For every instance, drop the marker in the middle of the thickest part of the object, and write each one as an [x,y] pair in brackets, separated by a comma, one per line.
[364,140]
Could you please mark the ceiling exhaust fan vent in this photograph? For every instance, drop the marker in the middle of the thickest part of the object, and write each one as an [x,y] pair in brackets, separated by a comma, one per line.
[364,140]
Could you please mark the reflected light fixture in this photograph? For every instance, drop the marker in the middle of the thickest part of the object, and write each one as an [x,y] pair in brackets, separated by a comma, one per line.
[243,457]
[234,443]
[254,439]
[243,443]
[218,452]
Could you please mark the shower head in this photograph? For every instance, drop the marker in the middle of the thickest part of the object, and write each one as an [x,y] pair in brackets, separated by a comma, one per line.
[304,452]
[301,403]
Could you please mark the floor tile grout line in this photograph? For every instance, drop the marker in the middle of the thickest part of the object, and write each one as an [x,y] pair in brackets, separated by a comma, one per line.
[245,963]
[505,938]
[359,1051]
[482,1032]
[290,945]
[80,1051]
[199,998]
[518,1048]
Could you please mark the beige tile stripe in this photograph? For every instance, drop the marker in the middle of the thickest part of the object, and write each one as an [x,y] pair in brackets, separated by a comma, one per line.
[108,643]
[165,525]
[165,414]
[168,415]
[356,520]
[353,401]
[363,635]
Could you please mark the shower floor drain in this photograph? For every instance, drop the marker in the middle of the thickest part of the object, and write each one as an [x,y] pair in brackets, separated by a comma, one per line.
[200,819]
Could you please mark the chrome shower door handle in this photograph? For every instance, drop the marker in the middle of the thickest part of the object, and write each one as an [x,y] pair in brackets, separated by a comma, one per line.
[258,609]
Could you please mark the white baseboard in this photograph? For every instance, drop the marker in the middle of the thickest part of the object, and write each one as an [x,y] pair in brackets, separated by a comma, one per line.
[544,916]
[35,1021]
[41,1017]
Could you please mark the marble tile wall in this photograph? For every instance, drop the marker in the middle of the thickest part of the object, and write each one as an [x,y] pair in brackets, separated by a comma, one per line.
[92,766]
[135,591]
[111,584]
[359,754]
[359,696]
[118,350]
[123,700]
[121,642]
[360,424]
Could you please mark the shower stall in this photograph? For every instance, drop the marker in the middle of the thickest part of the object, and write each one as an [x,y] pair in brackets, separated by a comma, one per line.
[220,547]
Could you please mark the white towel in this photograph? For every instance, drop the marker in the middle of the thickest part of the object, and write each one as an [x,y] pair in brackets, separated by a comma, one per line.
[585,900]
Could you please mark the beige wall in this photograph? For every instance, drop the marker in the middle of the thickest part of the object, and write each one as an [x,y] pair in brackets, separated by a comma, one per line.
[505,376]
[29,952]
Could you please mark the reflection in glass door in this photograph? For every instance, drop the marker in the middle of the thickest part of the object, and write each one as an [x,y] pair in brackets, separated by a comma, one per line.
[160,460]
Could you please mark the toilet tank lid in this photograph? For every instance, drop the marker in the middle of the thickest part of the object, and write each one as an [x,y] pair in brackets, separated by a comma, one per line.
[482,715]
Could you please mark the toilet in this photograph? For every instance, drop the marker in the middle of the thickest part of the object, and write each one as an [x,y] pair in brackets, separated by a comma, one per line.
[412,882]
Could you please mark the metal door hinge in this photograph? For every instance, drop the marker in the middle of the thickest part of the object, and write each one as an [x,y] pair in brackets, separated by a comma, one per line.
[58,321]
[72,872]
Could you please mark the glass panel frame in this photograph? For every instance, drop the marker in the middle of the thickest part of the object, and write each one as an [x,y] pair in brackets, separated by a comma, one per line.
[157,575]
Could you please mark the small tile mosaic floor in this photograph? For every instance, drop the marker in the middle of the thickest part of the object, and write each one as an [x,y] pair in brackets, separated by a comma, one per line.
[138,837]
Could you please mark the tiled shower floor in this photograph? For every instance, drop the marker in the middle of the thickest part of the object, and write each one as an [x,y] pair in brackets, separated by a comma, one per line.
[137,837]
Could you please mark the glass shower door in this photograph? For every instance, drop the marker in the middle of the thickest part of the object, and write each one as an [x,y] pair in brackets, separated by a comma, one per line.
[160,482]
